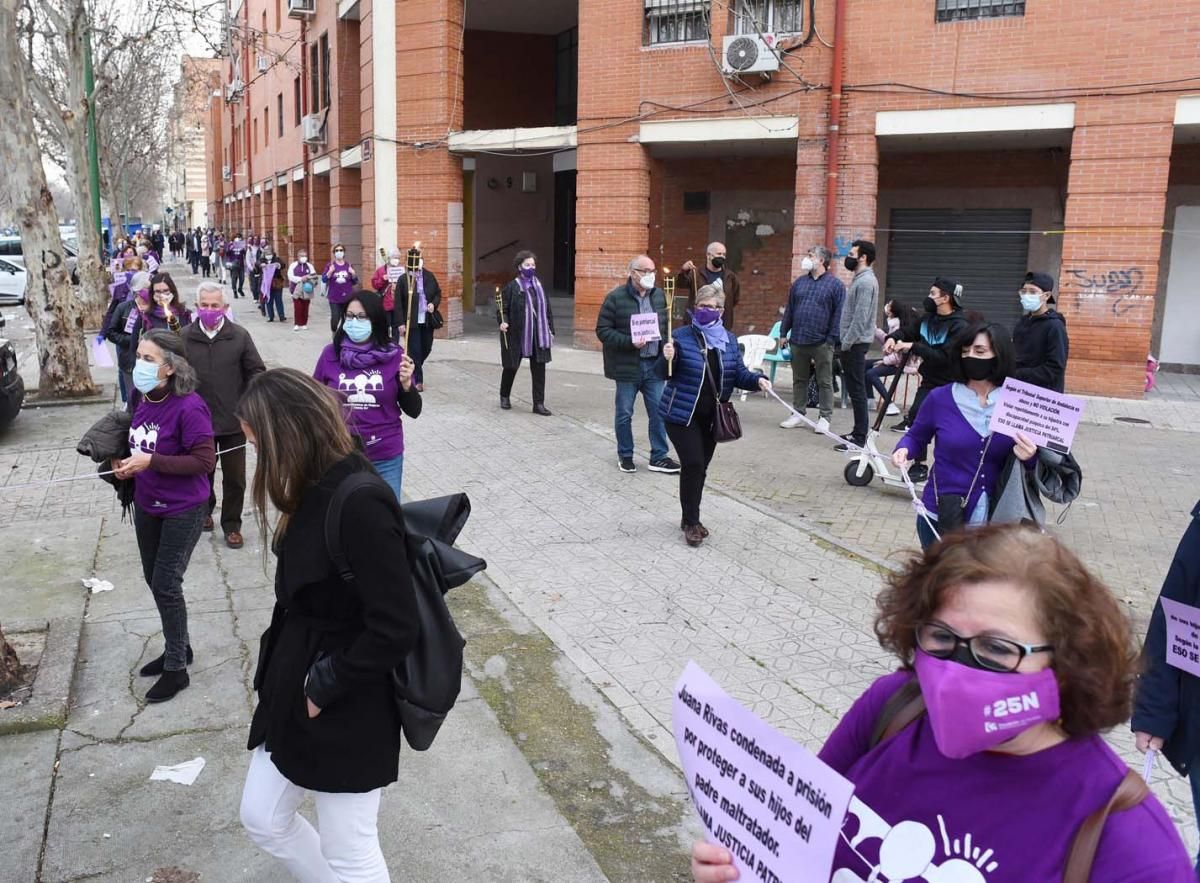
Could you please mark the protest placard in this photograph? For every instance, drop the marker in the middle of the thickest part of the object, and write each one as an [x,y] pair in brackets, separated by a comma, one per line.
[1183,635]
[100,354]
[644,326]
[771,802]
[1049,418]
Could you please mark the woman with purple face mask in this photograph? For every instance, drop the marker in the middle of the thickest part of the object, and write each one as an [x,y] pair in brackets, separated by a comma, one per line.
[982,758]
[526,331]
[702,365]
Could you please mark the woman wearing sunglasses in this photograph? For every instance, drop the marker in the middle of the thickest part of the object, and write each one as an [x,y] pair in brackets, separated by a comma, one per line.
[981,760]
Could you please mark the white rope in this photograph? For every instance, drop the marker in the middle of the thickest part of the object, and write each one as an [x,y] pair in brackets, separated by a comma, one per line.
[1148,766]
[89,475]
[918,504]
[850,446]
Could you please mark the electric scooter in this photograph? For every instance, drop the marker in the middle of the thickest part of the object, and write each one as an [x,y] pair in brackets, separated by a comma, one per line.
[868,463]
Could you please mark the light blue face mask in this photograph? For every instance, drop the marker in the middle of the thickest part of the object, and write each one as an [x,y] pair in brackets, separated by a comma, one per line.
[1031,302]
[357,330]
[145,377]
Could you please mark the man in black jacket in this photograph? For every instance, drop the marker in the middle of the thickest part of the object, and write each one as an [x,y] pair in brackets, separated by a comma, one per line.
[929,340]
[631,362]
[225,359]
[1040,337]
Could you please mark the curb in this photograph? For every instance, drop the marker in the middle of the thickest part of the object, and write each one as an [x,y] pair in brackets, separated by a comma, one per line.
[47,707]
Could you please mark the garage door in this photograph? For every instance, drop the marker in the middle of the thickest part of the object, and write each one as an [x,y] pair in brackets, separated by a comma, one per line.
[984,249]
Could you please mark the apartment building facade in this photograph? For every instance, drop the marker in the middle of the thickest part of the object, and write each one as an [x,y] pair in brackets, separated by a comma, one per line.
[188,188]
[972,139]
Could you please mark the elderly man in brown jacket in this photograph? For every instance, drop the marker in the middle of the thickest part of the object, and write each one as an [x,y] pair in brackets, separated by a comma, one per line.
[225,359]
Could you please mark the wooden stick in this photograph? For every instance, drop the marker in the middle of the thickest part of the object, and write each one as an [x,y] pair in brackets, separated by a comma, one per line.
[500,309]
[669,291]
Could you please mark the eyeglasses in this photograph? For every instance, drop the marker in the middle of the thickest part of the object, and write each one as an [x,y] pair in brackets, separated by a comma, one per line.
[996,654]
[356,315]
[643,269]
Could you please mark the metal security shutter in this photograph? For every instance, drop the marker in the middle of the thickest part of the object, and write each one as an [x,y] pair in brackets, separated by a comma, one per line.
[984,249]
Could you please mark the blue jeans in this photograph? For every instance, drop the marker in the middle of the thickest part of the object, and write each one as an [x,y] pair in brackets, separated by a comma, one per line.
[275,303]
[651,388]
[391,471]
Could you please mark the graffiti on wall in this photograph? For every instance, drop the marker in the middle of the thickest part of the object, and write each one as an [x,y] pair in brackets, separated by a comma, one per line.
[1115,290]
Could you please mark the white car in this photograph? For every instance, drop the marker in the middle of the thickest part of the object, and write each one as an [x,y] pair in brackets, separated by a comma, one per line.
[12,282]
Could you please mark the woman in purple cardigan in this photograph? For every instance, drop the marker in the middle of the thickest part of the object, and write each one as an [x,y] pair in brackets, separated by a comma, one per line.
[968,459]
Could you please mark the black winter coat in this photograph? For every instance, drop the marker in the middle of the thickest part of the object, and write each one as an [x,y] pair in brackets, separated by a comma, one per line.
[433,295]
[127,343]
[1041,347]
[622,360]
[1167,703]
[513,299]
[343,638]
[932,336]
[225,365]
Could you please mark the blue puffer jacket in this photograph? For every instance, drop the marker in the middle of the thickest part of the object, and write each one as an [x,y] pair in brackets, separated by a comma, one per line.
[688,375]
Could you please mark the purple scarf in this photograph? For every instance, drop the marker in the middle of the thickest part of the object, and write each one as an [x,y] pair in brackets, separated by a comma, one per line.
[420,277]
[360,356]
[535,310]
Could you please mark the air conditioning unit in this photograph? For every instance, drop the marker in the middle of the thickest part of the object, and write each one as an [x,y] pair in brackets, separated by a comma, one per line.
[264,64]
[312,130]
[226,173]
[302,8]
[233,92]
[749,54]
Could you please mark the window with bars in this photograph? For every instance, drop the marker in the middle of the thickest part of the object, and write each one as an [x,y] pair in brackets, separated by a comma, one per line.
[675,21]
[768,17]
[966,10]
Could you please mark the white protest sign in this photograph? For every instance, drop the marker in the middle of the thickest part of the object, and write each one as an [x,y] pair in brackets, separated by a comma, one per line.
[1049,418]
[1183,635]
[771,802]
[644,326]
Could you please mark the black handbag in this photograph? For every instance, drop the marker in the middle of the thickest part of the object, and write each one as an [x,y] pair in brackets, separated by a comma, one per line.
[727,426]
[435,319]
[951,508]
[427,684]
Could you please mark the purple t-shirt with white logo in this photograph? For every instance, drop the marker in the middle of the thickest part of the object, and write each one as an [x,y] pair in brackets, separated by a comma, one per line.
[339,282]
[921,817]
[369,397]
[170,427]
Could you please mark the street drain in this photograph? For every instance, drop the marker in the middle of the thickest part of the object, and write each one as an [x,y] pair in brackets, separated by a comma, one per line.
[1137,421]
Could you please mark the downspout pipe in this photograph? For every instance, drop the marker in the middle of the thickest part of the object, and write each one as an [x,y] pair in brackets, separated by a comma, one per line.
[835,117]
[305,161]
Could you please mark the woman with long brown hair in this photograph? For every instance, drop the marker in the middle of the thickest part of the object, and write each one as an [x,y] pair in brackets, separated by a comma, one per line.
[326,721]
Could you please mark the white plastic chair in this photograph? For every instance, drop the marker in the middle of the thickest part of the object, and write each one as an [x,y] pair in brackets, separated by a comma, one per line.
[756,347]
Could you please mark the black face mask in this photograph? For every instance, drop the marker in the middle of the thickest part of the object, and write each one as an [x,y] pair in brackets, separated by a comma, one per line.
[930,305]
[851,263]
[718,262]
[978,369]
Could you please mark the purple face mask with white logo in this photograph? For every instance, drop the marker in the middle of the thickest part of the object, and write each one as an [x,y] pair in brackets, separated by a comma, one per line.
[973,709]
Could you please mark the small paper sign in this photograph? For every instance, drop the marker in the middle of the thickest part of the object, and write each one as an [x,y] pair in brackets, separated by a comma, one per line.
[1049,418]
[771,802]
[644,326]
[1183,635]
[101,355]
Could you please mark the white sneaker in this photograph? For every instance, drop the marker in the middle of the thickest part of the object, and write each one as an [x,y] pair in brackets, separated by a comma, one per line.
[893,411]
[792,422]
[822,426]
[296,328]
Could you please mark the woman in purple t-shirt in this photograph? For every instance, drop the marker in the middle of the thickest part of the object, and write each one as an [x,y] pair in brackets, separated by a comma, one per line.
[1014,659]
[340,280]
[172,453]
[374,379]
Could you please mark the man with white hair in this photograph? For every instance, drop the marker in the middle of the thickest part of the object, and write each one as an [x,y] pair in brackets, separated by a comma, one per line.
[225,359]
[716,272]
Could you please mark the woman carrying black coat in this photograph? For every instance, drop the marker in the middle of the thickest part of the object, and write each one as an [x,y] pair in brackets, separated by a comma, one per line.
[526,331]
[326,721]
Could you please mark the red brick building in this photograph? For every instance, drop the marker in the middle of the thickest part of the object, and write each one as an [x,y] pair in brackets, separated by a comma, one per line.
[974,139]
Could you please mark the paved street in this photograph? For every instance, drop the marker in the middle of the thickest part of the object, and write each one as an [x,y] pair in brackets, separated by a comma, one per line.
[558,763]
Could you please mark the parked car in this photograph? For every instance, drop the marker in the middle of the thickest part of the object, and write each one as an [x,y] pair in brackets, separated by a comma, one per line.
[12,387]
[10,250]
[12,282]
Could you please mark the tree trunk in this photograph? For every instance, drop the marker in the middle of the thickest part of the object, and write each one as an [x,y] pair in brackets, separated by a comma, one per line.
[10,668]
[50,300]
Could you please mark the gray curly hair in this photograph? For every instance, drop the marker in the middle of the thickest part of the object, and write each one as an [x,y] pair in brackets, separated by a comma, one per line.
[714,294]
[184,379]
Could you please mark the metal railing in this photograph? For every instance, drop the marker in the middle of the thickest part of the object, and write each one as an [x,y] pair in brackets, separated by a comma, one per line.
[965,10]
[675,21]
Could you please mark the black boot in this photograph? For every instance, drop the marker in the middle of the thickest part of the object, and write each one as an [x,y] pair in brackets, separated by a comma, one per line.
[541,409]
[154,667]
[505,404]
[168,685]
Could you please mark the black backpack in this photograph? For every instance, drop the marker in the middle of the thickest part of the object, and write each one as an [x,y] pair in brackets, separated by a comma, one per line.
[427,683]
